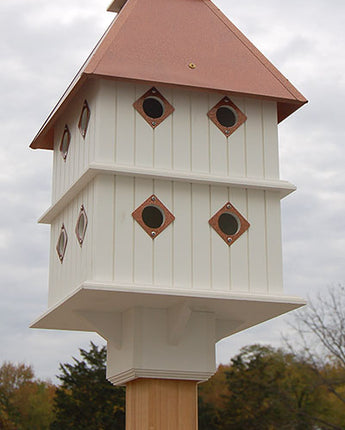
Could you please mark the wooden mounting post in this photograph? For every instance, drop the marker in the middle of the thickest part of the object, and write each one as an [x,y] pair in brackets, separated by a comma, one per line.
[161,404]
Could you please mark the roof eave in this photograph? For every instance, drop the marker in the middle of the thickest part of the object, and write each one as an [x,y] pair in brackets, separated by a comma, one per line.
[45,137]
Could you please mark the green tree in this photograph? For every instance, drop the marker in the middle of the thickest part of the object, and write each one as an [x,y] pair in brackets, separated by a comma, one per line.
[86,400]
[263,389]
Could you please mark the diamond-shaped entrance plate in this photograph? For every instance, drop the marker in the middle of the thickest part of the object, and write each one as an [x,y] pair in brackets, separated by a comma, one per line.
[153,216]
[62,243]
[153,107]
[227,116]
[229,223]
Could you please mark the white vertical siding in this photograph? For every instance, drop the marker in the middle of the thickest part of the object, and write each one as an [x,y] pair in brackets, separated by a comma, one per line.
[254,136]
[81,150]
[270,135]
[124,230]
[143,244]
[181,131]
[257,241]
[274,243]
[77,264]
[182,239]
[219,145]
[239,250]
[189,253]
[220,251]
[144,136]
[237,150]
[185,141]
[125,124]
[106,122]
[163,246]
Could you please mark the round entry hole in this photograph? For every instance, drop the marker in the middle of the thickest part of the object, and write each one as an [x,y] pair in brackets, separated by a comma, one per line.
[152,216]
[153,107]
[228,223]
[226,116]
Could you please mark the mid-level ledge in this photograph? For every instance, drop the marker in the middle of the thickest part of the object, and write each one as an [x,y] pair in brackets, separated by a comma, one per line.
[233,311]
[282,187]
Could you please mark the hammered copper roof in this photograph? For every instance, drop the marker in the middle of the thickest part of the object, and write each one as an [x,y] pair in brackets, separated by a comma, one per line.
[157,41]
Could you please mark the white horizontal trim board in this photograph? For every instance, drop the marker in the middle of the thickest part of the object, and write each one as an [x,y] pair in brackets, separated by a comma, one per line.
[284,188]
[131,374]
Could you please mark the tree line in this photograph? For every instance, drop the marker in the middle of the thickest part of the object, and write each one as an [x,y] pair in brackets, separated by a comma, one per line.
[298,387]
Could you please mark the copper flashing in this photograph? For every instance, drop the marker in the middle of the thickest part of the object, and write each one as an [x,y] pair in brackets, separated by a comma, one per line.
[238,116]
[157,41]
[65,142]
[84,119]
[62,243]
[229,230]
[155,118]
[81,225]
[157,217]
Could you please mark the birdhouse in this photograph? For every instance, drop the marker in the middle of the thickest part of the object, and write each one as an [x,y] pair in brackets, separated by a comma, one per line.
[165,216]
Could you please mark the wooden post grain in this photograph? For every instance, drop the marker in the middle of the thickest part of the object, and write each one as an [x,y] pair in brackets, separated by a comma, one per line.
[161,404]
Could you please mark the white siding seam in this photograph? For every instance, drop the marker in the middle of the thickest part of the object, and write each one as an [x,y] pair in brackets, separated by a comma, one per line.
[230,286]
[266,244]
[114,229]
[191,236]
[245,141]
[153,240]
[248,233]
[190,135]
[135,135]
[263,139]
[209,143]
[228,155]
[133,233]
[172,135]
[173,234]
[210,234]
[115,122]
[153,148]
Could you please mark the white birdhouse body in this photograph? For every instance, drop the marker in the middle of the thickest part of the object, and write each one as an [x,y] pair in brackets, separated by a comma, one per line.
[165,219]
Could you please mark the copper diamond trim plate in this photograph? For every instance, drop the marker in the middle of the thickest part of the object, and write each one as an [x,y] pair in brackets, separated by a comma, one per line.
[168,217]
[168,109]
[240,116]
[229,239]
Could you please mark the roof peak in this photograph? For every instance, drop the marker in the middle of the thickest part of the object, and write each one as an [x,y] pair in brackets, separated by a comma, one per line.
[156,41]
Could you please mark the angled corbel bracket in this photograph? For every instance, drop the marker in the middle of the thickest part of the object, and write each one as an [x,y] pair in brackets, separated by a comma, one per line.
[178,317]
[106,324]
[225,328]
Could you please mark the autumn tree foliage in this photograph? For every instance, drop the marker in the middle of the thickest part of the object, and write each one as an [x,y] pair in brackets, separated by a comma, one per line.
[264,388]
[26,403]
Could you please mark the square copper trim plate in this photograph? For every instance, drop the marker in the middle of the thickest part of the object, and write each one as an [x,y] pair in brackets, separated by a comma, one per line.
[153,216]
[237,226]
[239,116]
[167,108]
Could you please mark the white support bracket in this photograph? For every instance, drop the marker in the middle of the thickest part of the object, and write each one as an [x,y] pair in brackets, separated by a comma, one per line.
[106,324]
[224,327]
[178,317]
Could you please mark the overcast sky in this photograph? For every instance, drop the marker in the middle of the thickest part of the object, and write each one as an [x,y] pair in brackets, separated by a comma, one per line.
[43,44]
